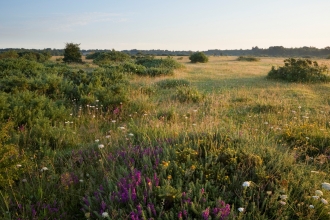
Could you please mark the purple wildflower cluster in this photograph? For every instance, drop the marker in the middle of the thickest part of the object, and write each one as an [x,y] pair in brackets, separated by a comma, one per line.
[131,156]
[39,210]
[221,210]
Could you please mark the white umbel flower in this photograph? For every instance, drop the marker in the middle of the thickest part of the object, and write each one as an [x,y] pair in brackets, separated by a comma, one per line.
[326,186]
[105,215]
[318,193]
[240,209]
[246,184]
[324,201]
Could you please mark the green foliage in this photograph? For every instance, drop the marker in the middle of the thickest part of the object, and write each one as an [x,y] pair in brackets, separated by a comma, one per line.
[300,70]
[328,57]
[9,54]
[188,94]
[247,58]
[109,57]
[198,57]
[72,53]
[157,67]
[35,56]
[12,162]
[172,83]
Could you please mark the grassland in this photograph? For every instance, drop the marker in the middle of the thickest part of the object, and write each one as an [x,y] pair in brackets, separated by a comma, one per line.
[231,145]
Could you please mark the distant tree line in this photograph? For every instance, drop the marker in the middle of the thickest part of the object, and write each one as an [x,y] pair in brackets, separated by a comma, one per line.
[279,51]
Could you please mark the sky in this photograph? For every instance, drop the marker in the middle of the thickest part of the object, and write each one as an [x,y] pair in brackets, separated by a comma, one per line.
[166,25]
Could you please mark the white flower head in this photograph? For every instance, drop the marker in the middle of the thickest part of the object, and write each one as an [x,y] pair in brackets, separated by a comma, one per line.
[108,136]
[324,201]
[240,209]
[282,202]
[315,197]
[113,121]
[81,180]
[44,169]
[131,134]
[18,165]
[311,206]
[246,184]
[101,146]
[318,193]
[105,215]
[284,197]
[122,128]
[326,186]
[97,140]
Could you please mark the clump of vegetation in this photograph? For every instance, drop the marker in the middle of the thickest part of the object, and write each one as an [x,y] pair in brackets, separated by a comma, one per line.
[188,94]
[198,57]
[109,57]
[300,70]
[172,83]
[72,53]
[248,58]
[328,57]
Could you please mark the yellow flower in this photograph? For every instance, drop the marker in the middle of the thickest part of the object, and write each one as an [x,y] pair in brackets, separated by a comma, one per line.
[193,167]
[169,177]
[87,214]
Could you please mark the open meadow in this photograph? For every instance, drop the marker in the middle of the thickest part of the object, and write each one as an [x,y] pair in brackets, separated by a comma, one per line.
[214,140]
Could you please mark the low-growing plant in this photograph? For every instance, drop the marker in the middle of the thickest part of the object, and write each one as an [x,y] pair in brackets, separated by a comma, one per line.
[247,58]
[300,70]
[198,57]
[188,94]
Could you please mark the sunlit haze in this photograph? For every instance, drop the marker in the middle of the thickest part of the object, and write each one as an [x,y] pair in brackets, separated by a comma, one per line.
[171,25]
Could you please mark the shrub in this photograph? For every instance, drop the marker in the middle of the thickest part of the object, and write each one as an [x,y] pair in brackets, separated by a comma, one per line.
[72,53]
[247,58]
[110,57]
[198,57]
[9,54]
[172,83]
[188,94]
[299,70]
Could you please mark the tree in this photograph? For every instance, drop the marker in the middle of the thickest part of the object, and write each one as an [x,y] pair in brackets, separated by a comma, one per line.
[72,53]
[199,57]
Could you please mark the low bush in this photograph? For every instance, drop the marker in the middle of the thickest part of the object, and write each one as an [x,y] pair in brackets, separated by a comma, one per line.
[172,83]
[247,58]
[198,57]
[300,70]
[188,94]
[110,57]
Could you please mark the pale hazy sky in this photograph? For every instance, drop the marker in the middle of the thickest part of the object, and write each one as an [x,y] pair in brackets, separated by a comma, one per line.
[171,24]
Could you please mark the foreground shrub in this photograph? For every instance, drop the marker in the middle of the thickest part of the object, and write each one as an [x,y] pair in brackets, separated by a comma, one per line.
[172,83]
[247,58]
[198,57]
[299,70]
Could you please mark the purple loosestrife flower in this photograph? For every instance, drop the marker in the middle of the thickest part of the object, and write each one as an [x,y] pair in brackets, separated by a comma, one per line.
[222,209]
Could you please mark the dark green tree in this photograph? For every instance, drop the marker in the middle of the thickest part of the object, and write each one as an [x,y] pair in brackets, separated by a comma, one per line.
[72,53]
[198,57]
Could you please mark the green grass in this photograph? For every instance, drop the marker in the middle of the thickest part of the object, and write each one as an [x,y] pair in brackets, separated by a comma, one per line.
[187,156]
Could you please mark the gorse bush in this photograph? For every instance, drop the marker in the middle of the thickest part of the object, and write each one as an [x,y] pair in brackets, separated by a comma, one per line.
[109,57]
[198,57]
[247,58]
[300,70]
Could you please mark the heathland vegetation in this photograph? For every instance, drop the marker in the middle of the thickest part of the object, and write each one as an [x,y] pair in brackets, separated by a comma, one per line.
[122,137]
